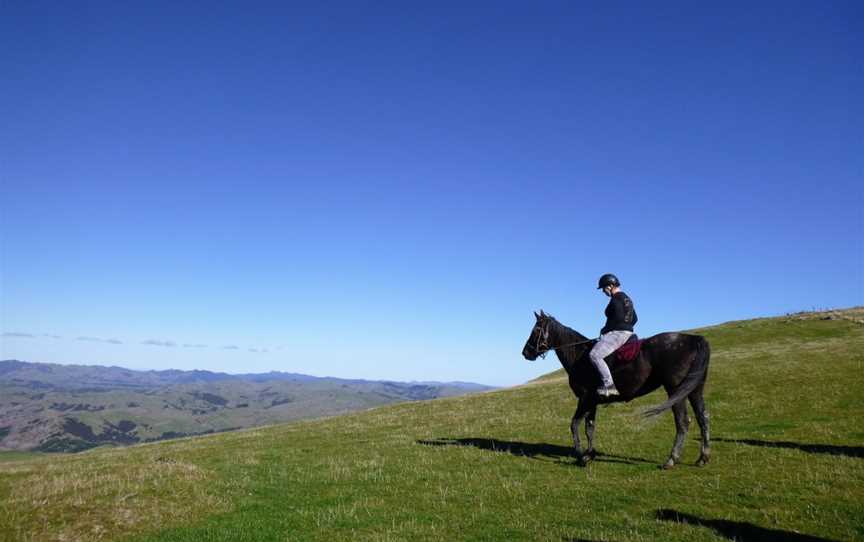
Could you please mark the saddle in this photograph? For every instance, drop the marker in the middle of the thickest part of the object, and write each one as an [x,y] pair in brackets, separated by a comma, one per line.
[625,353]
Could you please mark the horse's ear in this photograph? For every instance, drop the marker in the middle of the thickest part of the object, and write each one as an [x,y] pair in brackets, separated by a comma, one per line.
[536,315]
[543,314]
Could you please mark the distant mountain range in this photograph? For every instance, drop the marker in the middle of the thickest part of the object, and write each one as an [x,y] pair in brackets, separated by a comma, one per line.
[69,408]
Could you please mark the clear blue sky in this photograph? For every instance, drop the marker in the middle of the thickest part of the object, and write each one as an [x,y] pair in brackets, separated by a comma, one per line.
[388,190]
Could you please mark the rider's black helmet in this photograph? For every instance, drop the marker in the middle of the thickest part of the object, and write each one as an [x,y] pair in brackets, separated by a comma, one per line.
[608,280]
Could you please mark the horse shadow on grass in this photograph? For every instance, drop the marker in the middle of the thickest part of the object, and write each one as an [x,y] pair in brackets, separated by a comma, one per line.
[830,449]
[737,530]
[537,450]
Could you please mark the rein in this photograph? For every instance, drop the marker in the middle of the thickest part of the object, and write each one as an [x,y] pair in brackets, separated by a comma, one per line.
[550,348]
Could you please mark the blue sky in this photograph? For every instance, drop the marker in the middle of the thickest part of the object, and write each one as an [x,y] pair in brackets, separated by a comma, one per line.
[388,191]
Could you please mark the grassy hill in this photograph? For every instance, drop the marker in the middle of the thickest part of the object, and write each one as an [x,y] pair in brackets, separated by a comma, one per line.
[788,463]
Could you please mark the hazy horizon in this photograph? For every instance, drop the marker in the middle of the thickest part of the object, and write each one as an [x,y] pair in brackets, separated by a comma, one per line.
[229,373]
[554,366]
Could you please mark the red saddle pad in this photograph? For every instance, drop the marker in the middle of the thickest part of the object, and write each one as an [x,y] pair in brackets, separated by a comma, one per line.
[628,352]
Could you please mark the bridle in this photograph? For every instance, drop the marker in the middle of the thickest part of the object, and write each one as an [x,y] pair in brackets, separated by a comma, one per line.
[543,341]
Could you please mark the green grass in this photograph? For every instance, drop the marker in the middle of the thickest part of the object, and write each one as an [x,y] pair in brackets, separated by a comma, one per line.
[788,457]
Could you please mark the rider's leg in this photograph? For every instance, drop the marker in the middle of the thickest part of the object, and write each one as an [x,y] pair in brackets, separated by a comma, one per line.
[608,343]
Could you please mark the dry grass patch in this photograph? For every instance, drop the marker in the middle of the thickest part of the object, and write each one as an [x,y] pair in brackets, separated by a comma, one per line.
[854,314]
[87,496]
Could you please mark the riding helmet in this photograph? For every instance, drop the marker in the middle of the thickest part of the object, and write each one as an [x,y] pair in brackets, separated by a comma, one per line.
[608,280]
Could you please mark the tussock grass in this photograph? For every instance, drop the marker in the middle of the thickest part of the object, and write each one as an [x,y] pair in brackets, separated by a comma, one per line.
[788,457]
[94,496]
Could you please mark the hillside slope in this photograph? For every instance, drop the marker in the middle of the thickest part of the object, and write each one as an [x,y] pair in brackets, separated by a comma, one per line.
[788,463]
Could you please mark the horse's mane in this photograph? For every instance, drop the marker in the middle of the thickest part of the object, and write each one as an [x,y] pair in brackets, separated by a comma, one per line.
[572,356]
[573,334]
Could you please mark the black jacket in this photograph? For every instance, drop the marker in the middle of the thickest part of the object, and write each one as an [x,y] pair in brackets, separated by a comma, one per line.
[620,314]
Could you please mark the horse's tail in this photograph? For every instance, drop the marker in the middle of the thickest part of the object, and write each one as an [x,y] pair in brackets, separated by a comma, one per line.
[695,377]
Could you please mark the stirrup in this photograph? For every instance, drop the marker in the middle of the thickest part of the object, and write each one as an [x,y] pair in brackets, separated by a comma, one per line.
[603,391]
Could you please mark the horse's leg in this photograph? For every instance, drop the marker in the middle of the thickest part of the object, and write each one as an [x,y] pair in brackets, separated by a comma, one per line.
[585,406]
[591,453]
[698,404]
[682,422]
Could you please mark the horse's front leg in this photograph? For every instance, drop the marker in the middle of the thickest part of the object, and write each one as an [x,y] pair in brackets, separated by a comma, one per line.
[590,453]
[585,406]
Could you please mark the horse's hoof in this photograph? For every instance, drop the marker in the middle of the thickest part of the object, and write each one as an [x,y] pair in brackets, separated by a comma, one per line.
[582,461]
[702,461]
[668,465]
[591,453]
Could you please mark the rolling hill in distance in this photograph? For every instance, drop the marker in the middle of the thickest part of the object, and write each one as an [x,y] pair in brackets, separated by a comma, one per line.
[69,408]
[784,395]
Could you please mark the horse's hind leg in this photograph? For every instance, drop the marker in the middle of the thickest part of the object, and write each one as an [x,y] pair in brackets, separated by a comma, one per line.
[698,404]
[682,422]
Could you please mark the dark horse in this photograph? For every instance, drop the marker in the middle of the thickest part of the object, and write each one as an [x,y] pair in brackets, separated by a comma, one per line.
[676,361]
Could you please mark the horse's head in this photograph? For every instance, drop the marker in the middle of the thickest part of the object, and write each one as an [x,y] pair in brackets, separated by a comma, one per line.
[538,341]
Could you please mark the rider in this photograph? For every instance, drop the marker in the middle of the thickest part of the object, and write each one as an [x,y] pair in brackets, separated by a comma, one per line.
[620,319]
